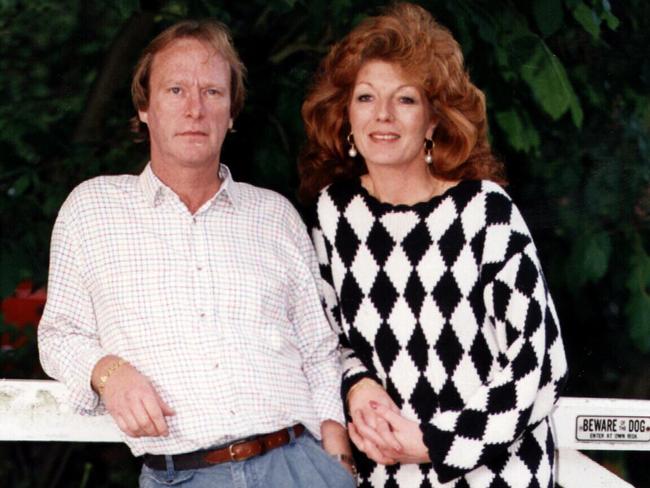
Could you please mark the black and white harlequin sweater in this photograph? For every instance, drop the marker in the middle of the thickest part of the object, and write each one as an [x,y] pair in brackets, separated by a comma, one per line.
[445,304]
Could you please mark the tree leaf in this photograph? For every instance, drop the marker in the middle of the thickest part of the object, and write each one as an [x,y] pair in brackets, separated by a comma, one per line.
[638,313]
[637,307]
[548,80]
[588,19]
[611,20]
[639,277]
[589,258]
[596,256]
[548,16]
[521,134]
[21,185]
[577,114]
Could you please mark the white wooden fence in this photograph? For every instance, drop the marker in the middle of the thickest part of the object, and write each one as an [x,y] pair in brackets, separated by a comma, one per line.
[33,410]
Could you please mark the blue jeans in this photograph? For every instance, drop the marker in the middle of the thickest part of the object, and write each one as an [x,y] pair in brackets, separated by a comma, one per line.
[301,463]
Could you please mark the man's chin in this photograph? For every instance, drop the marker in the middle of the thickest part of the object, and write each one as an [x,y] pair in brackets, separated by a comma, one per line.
[197,159]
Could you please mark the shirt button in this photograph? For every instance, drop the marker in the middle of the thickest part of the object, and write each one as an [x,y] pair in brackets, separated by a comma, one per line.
[216,365]
[194,220]
[199,268]
[232,412]
[202,315]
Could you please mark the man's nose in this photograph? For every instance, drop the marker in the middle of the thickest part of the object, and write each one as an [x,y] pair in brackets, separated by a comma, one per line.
[194,104]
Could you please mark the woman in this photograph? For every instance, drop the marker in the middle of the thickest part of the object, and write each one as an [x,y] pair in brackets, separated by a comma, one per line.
[450,341]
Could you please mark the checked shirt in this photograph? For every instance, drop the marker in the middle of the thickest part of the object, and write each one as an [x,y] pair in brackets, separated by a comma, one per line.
[220,309]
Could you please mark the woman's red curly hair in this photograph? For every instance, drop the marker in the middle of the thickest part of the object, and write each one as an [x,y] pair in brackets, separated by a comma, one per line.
[427,53]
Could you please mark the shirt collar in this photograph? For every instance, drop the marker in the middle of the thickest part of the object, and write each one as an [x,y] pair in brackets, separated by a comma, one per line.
[229,187]
[154,190]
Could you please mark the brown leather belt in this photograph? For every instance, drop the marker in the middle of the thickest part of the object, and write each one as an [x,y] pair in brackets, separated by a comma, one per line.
[237,451]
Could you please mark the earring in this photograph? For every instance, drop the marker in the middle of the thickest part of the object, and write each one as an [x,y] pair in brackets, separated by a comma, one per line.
[352,152]
[230,127]
[428,149]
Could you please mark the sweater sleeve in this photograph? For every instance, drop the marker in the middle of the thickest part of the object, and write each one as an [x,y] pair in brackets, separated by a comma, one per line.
[323,228]
[530,367]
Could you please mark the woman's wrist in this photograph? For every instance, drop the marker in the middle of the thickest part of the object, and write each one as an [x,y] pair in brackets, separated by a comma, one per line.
[365,381]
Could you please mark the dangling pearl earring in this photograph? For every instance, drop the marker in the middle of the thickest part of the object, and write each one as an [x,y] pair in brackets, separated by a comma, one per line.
[352,152]
[428,145]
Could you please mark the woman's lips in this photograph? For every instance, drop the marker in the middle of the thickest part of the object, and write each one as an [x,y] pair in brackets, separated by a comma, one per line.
[384,136]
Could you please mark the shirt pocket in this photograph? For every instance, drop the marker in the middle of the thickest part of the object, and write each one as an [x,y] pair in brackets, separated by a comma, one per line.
[150,291]
[253,306]
[142,274]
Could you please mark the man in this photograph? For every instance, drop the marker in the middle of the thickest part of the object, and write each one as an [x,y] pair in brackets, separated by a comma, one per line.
[186,304]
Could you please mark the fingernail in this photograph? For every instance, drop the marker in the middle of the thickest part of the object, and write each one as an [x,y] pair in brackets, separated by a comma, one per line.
[373,404]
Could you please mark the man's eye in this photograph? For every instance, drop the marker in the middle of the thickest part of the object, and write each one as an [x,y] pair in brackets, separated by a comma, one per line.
[175,90]
[212,91]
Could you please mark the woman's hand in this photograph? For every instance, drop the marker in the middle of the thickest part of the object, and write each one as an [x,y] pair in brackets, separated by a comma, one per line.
[368,431]
[407,433]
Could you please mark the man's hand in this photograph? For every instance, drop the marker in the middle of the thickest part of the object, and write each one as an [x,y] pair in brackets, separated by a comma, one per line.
[370,432]
[131,400]
[407,432]
[335,441]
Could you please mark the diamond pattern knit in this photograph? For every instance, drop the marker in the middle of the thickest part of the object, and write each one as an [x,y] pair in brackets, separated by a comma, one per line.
[445,304]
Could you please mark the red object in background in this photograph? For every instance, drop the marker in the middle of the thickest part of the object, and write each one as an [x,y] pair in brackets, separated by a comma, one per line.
[23,308]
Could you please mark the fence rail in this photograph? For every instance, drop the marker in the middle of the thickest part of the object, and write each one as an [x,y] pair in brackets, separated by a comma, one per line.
[36,410]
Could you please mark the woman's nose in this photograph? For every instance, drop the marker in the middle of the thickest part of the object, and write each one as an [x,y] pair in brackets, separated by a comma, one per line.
[384,111]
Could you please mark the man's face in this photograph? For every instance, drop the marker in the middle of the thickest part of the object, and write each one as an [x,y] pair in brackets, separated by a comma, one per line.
[189,105]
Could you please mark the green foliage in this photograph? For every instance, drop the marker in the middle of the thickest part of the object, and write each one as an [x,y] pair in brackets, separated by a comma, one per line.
[519,130]
[549,16]
[589,258]
[568,100]
[588,19]
[638,307]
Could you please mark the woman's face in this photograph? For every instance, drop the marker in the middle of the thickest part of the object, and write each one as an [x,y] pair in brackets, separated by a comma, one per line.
[389,116]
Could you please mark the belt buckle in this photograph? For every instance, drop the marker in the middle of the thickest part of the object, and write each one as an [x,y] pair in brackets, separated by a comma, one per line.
[231,452]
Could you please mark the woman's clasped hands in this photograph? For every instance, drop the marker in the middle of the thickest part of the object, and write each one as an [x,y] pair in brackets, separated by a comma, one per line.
[379,430]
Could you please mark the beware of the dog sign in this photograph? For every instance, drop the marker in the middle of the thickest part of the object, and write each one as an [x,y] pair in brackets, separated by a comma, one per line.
[612,428]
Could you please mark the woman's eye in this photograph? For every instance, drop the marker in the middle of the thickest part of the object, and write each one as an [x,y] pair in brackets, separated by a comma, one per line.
[364,97]
[408,100]
[175,90]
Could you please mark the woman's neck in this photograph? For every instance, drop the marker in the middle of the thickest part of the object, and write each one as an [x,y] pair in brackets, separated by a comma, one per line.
[398,186]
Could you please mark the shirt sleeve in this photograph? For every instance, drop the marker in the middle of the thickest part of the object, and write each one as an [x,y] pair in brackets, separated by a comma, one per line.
[68,343]
[353,368]
[523,387]
[316,340]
